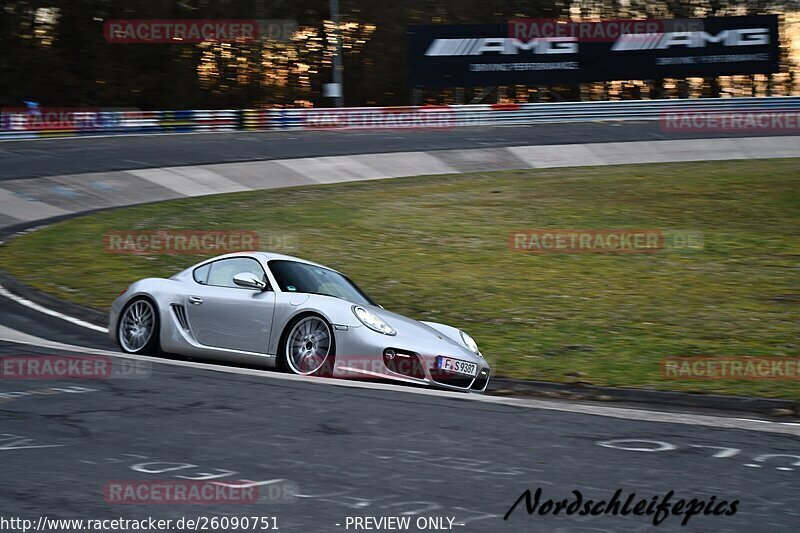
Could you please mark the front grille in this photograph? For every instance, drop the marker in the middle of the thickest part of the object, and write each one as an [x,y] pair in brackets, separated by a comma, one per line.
[180,315]
[450,378]
[481,380]
[404,363]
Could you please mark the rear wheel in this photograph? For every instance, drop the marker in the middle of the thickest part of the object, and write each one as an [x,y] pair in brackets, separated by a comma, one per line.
[309,347]
[137,330]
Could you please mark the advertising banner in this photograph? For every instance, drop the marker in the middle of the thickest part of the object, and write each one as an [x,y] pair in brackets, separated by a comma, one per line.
[540,51]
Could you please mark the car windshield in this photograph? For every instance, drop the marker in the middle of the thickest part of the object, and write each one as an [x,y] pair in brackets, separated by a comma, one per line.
[302,277]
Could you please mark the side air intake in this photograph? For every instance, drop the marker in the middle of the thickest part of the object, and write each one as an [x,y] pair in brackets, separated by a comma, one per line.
[180,315]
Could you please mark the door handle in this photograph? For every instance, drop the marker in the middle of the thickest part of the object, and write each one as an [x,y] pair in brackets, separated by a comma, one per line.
[195,300]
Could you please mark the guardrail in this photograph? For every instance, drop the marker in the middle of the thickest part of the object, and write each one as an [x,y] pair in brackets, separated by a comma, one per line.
[25,124]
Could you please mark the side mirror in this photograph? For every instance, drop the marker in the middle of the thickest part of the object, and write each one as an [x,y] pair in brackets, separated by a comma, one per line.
[249,280]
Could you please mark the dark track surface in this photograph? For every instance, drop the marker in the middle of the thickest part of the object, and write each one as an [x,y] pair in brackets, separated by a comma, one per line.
[357,452]
[24,159]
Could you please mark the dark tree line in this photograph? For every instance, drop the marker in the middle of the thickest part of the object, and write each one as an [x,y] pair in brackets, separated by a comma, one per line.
[54,51]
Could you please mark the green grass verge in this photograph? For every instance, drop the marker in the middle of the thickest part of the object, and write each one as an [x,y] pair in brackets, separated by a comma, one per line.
[436,248]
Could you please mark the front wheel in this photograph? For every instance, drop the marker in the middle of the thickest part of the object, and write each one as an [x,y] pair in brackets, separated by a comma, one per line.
[309,347]
[137,330]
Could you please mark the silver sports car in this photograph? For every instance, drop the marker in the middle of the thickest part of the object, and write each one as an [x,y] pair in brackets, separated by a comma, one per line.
[281,311]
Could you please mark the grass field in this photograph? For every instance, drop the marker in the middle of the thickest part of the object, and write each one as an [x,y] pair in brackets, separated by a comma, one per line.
[437,248]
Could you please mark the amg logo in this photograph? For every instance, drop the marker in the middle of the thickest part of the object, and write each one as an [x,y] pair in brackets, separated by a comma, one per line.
[691,39]
[502,45]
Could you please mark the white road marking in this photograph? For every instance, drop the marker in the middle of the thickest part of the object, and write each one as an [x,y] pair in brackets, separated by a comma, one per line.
[723,450]
[660,446]
[11,335]
[36,307]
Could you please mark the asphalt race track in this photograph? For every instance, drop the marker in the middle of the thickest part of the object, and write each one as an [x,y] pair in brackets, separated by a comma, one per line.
[322,453]
[50,157]
[347,452]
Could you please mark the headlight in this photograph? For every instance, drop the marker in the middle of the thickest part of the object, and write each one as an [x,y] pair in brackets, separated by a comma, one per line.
[373,321]
[470,342]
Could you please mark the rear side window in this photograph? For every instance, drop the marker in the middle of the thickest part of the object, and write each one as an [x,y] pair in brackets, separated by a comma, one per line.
[201,274]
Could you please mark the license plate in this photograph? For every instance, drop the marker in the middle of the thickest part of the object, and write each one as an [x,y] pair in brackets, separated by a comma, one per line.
[457,366]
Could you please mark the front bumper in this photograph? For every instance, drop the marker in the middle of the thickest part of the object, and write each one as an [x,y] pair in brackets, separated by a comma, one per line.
[364,354]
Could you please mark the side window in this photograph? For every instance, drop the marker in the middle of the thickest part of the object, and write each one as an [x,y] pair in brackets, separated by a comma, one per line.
[201,274]
[222,272]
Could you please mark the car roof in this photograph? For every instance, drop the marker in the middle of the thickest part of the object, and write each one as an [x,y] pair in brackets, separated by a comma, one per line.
[267,256]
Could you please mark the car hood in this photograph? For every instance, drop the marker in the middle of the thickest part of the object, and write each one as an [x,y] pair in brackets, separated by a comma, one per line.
[410,329]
